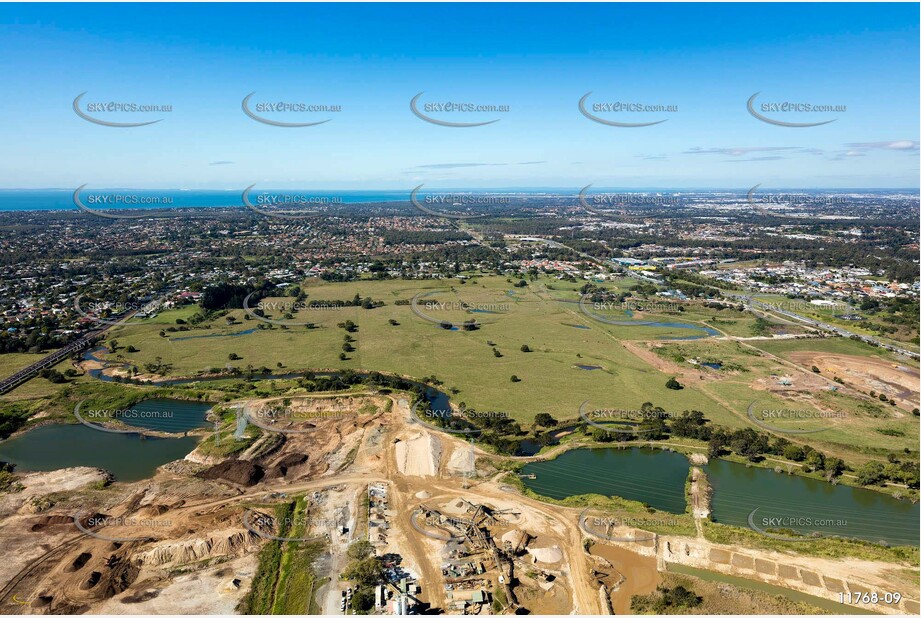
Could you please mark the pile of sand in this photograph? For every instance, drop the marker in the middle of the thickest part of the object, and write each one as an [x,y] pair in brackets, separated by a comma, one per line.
[462,461]
[420,455]
[547,555]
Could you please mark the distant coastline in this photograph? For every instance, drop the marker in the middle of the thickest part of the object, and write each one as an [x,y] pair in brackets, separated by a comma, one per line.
[28,200]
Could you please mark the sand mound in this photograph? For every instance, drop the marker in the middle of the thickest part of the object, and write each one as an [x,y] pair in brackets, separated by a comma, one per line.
[420,455]
[462,461]
[547,555]
[423,495]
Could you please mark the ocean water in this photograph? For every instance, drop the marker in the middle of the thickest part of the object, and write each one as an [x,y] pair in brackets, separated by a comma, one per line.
[12,200]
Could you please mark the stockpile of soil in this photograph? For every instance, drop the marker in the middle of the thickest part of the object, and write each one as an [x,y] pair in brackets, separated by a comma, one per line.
[244,473]
[285,464]
[289,461]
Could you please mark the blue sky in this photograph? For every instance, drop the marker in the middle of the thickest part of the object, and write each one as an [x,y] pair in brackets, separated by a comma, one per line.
[539,60]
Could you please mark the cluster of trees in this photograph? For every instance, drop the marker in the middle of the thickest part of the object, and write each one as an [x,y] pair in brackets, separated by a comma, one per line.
[896,312]
[225,296]
[346,378]
[348,325]
[7,478]
[366,570]
[338,276]
[875,473]
[35,336]
[52,375]
[753,445]
[357,301]
[12,417]
[665,600]
[468,325]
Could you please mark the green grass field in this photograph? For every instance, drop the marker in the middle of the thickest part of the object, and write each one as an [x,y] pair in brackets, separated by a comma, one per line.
[544,315]
[558,334]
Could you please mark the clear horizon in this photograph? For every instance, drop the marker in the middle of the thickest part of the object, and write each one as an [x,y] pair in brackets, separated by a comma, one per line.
[703,65]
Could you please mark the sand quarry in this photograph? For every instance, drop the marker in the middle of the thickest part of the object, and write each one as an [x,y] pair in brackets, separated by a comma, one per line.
[177,542]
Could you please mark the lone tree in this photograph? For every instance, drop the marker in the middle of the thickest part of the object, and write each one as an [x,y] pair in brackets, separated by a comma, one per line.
[525,348]
[673,384]
[545,420]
